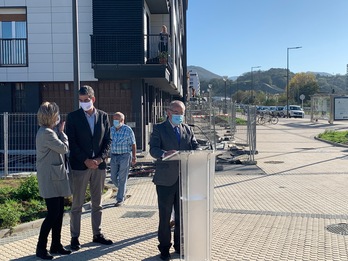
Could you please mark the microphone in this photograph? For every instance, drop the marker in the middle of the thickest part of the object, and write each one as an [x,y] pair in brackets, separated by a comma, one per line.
[211,145]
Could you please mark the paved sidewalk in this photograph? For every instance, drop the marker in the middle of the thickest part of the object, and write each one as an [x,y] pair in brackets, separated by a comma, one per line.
[279,209]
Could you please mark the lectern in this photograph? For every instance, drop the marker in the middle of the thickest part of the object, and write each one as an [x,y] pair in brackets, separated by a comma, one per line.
[197,170]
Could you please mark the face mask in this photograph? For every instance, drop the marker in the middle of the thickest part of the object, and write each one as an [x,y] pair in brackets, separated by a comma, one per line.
[86,106]
[177,119]
[117,123]
[58,120]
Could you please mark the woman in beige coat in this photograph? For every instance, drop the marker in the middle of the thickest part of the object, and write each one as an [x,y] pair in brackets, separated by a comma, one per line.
[51,147]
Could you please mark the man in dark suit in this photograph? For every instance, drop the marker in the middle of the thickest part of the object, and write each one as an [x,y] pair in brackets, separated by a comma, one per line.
[167,138]
[88,130]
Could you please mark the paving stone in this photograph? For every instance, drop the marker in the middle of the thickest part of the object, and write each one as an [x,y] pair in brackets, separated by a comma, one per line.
[276,210]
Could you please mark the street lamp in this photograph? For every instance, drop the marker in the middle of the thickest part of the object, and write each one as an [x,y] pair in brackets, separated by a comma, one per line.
[76,55]
[252,80]
[225,105]
[287,78]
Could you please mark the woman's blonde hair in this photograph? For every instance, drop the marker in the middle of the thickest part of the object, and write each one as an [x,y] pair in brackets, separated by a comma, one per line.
[47,114]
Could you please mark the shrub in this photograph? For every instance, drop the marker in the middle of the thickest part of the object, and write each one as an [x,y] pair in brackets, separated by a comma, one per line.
[6,193]
[10,213]
[33,209]
[29,189]
[26,204]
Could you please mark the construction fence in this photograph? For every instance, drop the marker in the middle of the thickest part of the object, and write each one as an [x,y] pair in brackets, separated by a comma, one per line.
[216,130]
[224,131]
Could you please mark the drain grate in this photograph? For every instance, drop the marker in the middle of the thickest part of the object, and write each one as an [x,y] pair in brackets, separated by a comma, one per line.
[138,214]
[341,228]
[274,162]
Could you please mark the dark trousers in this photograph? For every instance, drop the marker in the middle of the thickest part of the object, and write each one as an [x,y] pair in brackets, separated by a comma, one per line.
[167,198]
[163,47]
[53,221]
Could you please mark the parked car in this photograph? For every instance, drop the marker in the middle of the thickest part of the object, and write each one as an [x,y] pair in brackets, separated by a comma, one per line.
[262,110]
[279,112]
[294,111]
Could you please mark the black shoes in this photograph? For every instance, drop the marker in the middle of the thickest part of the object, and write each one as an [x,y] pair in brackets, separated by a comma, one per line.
[60,250]
[101,240]
[75,244]
[165,256]
[43,254]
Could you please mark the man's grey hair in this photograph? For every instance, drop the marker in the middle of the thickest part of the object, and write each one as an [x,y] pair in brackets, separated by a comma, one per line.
[120,114]
[176,103]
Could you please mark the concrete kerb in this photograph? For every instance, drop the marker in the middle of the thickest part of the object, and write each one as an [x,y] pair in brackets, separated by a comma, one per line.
[37,223]
[331,142]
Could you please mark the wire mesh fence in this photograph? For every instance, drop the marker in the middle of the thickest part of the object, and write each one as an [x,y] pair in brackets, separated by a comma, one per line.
[17,143]
[236,127]
[18,132]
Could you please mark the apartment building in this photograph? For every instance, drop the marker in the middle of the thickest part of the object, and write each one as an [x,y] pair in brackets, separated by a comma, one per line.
[195,84]
[117,53]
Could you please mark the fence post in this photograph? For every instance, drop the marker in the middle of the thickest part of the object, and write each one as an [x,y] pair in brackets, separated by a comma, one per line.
[233,120]
[6,143]
[251,133]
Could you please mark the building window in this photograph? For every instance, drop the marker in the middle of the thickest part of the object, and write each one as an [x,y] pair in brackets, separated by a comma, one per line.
[13,37]
[19,97]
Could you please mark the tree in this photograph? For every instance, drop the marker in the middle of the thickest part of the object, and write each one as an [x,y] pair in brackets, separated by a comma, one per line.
[240,96]
[302,83]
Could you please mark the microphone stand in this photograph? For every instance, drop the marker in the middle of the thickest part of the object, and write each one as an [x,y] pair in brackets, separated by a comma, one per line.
[193,125]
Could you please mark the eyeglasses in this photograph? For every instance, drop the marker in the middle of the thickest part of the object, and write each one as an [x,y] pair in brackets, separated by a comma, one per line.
[177,112]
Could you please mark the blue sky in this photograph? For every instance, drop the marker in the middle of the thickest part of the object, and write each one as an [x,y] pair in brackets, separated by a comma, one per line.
[228,37]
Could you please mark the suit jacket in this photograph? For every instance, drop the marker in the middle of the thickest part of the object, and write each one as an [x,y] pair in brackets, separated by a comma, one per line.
[83,143]
[163,138]
[50,163]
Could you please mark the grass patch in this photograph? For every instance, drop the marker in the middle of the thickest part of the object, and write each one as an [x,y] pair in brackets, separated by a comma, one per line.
[13,183]
[340,137]
[224,119]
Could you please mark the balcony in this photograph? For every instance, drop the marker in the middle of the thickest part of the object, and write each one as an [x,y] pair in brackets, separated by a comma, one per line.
[13,52]
[131,56]
[158,6]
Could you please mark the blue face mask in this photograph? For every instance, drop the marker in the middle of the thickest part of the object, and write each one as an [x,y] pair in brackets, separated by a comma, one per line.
[177,119]
[116,123]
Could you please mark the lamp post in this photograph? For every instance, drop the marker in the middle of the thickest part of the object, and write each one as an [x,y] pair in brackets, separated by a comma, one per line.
[225,104]
[76,55]
[287,78]
[252,80]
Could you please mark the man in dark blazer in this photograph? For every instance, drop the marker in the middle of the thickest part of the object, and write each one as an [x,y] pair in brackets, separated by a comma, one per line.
[167,138]
[88,130]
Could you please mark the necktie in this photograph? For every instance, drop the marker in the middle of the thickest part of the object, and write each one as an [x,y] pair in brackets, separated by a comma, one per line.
[177,133]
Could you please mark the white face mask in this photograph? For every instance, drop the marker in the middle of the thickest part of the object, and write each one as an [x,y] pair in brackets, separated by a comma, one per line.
[86,106]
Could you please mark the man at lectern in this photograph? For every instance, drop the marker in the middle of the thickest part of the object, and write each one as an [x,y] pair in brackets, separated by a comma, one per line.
[167,138]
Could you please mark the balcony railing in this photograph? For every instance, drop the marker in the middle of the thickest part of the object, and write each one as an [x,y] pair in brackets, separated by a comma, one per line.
[13,52]
[129,49]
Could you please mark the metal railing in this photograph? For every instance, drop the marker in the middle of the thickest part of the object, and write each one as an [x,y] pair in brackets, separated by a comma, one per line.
[13,52]
[129,49]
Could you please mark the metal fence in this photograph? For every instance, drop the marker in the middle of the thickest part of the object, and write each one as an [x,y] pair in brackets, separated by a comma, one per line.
[237,126]
[17,143]
[320,107]
[18,134]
